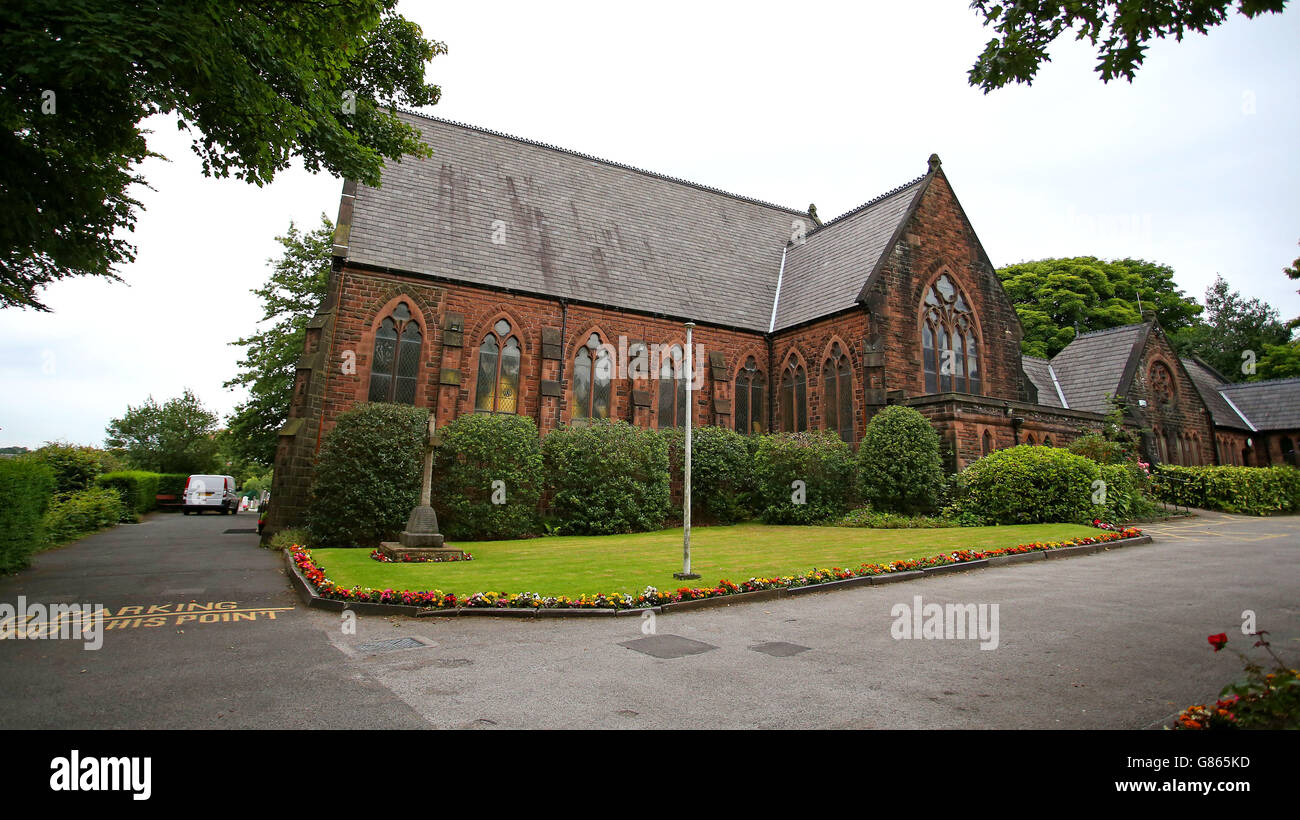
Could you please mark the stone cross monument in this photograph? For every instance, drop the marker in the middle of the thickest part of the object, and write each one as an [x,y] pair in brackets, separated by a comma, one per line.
[421,538]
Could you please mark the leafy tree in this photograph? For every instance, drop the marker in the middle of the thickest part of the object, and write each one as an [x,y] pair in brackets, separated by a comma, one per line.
[1120,29]
[74,466]
[1294,273]
[297,285]
[1053,296]
[1230,327]
[1278,362]
[178,436]
[257,83]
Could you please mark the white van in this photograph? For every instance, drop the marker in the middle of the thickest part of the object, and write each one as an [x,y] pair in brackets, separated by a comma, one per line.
[210,492]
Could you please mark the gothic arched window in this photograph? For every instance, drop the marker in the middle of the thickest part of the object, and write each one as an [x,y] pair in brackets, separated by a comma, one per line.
[497,387]
[987,443]
[949,349]
[794,398]
[837,394]
[748,403]
[592,377]
[396,360]
[1162,383]
[672,388]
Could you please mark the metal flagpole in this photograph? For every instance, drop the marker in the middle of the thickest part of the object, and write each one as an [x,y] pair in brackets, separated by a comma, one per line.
[686,573]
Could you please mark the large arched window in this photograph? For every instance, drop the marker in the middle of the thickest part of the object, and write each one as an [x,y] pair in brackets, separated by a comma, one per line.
[794,398]
[1162,383]
[396,360]
[837,394]
[592,379]
[748,405]
[497,388]
[950,351]
[672,388]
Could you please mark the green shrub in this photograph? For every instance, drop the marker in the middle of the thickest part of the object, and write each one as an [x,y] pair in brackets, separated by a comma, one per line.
[722,473]
[367,476]
[172,484]
[75,467]
[25,487]
[1124,497]
[1098,448]
[284,539]
[899,466]
[475,451]
[137,488]
[867,517]
[1028,485]
[821,460]
[606,477]
[1247,490]
[71,515]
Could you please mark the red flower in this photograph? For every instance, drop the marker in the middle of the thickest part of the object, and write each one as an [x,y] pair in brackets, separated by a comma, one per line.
[1218,641]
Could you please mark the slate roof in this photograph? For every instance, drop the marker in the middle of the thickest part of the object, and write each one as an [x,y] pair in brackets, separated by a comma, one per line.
[595,231]
[826,273]
[1208,383]
[1092,366]
[1039,373]
[1270,405]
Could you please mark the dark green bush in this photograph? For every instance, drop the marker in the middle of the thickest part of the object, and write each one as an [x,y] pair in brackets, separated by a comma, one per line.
[475,451]
[71,515]
[137,488]
[172,484]
[26,487]
[1247,490]
[819,459]
[899,466]
[1123,498]
[75,467]
[606,477]
[1028,485]
[867,517]
[367,476]
[722,473]
[1098,448]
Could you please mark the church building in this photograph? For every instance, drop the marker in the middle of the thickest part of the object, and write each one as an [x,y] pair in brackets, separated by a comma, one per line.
[502,275]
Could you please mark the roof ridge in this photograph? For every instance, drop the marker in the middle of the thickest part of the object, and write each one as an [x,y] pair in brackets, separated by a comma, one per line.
[612,163]
[873,201]
[1107,330]
[1230,385]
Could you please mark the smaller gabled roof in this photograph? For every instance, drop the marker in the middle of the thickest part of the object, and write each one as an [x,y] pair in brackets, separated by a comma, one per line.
[1208,383]
[1039,372]
[826,273]
[1092,367]
[1270,405]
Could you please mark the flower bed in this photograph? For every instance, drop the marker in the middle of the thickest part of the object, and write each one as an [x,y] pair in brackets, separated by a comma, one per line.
[650,596]
[379,556]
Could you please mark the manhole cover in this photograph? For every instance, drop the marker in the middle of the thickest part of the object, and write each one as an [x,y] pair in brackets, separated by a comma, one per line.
[390,645]
[779,649]
[668,646]
[249,531]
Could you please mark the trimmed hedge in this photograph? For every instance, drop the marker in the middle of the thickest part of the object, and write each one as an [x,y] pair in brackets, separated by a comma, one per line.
[475,451]
[821,460]
[722,473]
[1028,485]
[26,487]
[367,477]
[137,488]
[899,466]
[1247,490]
[605,478]
[172,484]
[71,515]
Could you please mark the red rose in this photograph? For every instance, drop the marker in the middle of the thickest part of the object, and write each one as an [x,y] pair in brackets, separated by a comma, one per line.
[1218,641]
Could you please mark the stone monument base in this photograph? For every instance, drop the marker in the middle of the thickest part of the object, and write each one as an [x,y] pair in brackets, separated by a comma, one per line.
[394,550]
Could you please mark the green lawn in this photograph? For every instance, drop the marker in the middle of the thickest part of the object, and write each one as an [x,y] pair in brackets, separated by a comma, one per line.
[573,565]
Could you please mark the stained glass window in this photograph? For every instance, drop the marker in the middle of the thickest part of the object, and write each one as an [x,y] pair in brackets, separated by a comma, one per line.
[395,365]
[496,387]
[949,349]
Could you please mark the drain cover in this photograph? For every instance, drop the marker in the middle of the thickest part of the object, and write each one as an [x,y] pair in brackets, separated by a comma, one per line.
[249,531]
[779,649]
[390,645]
[668,646]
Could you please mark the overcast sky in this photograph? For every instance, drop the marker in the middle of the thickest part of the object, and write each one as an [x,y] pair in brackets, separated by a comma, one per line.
[1193,165]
